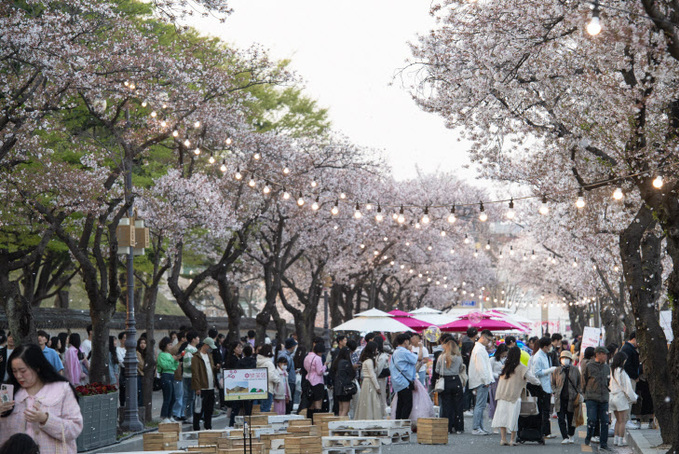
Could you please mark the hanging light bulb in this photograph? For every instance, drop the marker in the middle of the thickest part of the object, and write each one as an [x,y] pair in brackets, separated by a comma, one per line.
[266,189]
[483,217]
[357,212]
[544,209]
[443,233]
[335,209]
[286,194]
[532,255]
[617,194]
[378,216]
[252,183]
[511,250]
[451,216]
[175,133]
[343,195]
[228,141]
[313,183]
[223,166]
[196,124]
[256,156]
[452,250]
[594,26]
[425,216]
[658,182]
[488,245]
[211,160]
[501,256]
[187,143]
[144,104]
[315,205]
[369,206]
[476,253]
[286,170]
[524,258]
[580,203]
[575,262]
[154,114]
[164,106]
[300,200]
[510,212]
[401,217]
[196,151]
[239,176]
[163,123]
[466,239]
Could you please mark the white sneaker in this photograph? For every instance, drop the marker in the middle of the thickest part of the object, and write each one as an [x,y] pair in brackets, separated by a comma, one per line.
[166,420]
[469,413]
[633,425]
[595,440]
[550,436]
[479,432]
[571,440]
[566,441]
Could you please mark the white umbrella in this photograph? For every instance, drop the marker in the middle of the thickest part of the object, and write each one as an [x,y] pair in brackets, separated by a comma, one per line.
[424,310]
[373,320]
[436,319]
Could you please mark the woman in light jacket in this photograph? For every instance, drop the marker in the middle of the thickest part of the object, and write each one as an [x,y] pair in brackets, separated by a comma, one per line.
[265,359]
[448,366]
[369,405]
[512,381]
[621,396]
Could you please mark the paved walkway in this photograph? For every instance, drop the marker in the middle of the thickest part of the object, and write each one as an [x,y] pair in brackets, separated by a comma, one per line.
[645,441]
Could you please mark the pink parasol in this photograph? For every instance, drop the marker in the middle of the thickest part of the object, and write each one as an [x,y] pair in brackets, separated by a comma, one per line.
[481,321]
[410,321]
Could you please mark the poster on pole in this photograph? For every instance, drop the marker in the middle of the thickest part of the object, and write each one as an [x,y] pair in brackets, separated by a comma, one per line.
[666,325]
[591,337]
[246,384]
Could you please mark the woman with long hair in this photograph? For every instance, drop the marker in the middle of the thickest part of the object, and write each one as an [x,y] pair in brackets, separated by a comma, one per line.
[74,370]
[496,365]
[369,405]
[167,364]
[113,363]
[45,406]
[265,360]
[141,362]
[621,397]
[343,374]
[513,380]
[382,371]
[315,369]
[448,366]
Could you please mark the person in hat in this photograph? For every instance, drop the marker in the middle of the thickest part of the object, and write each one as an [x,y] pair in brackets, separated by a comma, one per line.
[289,353]
[595,379]
[203,377]
[566,386]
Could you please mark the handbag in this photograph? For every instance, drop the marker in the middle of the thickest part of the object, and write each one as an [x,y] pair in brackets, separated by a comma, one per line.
[440,385]
[464,378]
[350,389]
[197,404]
[529,404]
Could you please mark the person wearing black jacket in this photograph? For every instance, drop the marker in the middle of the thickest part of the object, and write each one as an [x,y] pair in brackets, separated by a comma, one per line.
[466,348]
[248,361]
[343,377]
[633,369]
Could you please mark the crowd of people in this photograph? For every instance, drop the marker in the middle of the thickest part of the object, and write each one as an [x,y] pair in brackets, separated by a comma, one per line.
[366,378]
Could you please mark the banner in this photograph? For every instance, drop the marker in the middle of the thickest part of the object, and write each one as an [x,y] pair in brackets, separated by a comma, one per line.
[246,384]
[591,337]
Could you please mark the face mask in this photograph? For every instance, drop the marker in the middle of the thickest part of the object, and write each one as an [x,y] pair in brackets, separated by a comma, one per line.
[566,362]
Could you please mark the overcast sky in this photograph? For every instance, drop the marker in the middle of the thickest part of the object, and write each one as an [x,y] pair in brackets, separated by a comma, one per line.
[348,52]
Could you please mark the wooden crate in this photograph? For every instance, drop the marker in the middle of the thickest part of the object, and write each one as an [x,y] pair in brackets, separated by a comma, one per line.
[258,420]
[388,431]
[202,449]
[209,438]
[170,427]
[432,431]
[324,420]
[321,415]
[299,422]
[303,445]
[160,441]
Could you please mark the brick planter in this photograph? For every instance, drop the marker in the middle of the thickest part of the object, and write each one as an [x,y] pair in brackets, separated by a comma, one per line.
[100,414]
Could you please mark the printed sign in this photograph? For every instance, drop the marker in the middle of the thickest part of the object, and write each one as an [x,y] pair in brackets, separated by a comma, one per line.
[592,337]
[246,384]
[467,303]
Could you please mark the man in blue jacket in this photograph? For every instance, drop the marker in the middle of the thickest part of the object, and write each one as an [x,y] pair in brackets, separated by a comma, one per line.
[402,370]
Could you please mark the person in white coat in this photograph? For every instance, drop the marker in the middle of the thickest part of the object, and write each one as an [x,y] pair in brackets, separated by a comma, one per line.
[480,378]
[265,359]
[622,395]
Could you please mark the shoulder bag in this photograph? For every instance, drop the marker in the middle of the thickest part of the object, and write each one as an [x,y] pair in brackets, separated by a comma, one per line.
[411,384]
[440,385]
[464,378]
[529,404]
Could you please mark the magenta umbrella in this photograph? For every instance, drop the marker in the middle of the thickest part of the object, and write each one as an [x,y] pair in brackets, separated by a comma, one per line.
[409,320]
[480,322]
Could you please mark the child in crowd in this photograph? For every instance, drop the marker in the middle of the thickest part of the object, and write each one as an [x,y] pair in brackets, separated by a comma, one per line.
[282,391]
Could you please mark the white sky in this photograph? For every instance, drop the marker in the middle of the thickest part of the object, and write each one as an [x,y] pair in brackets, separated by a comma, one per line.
[348,53]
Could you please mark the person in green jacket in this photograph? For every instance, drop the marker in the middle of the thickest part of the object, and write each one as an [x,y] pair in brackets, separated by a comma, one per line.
[166,365]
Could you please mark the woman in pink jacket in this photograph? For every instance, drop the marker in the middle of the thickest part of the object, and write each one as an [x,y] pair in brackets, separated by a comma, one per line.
[315,369]
[45,406]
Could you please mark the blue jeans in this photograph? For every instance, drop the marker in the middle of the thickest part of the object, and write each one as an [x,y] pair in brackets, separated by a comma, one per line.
[189,395]
[168,395]
[265,405]
[481,402]
[597,414]
[178,407]
[422,376]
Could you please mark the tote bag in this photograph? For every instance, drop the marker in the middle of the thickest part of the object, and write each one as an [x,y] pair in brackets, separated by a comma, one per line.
[529,404]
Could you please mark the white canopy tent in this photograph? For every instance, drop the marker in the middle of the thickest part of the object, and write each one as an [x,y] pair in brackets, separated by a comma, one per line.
[373,320]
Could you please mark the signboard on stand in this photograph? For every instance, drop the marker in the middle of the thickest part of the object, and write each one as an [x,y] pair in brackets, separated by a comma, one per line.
[592,337]
[246,384]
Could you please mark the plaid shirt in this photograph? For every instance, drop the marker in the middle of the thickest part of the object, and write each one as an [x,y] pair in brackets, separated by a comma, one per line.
[64,424]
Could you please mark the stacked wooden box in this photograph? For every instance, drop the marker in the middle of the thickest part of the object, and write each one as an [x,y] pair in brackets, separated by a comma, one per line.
[160,441]
[432,431]
[174,427]
[322,422]
[209,438]
[304,445]
[202,449]
[304,430]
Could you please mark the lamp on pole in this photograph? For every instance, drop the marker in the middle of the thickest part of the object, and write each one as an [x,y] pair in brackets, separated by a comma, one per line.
[133,238]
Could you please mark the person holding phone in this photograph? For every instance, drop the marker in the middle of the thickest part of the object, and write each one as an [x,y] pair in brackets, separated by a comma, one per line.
[45,406]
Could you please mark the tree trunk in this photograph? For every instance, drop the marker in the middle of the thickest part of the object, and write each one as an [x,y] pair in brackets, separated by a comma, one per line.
[640,254]
[230,298]
[20,316]
[101,314]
